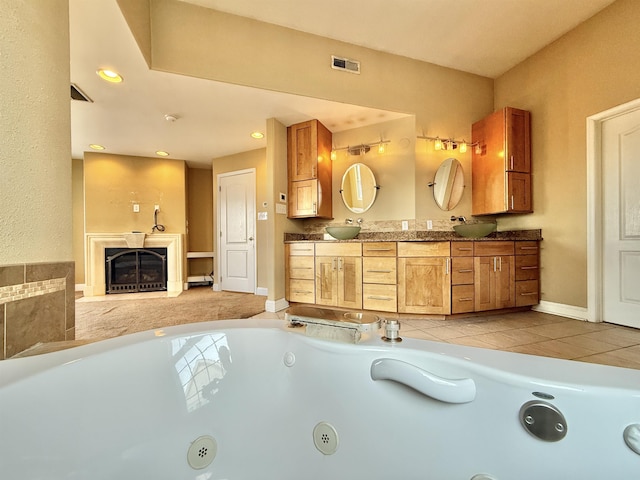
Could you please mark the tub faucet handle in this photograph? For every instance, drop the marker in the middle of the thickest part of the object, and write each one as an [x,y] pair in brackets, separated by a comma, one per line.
[391,329]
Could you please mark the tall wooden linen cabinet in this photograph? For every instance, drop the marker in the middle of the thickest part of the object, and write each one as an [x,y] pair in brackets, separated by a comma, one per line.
[501,169]
[309,170]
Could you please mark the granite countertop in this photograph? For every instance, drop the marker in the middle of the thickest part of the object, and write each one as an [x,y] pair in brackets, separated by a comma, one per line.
[417,236]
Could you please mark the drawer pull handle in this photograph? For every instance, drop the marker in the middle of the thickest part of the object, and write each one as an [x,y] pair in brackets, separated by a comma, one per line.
[534,267]
[465,299]
[524,294]
[375,297]
[464,249]
[301,268]
[528,248]
[465,271]
[378,249]
[302,291]
[379,271]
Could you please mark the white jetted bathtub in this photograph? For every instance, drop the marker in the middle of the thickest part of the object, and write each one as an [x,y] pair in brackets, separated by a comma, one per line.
[249,399]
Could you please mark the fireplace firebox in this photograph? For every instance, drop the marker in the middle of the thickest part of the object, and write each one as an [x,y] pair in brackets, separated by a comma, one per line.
[129,270]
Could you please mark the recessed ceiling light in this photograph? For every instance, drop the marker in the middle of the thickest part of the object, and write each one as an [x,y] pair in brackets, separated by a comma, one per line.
[257,135]
[95,146]
[109,75]
[162,153]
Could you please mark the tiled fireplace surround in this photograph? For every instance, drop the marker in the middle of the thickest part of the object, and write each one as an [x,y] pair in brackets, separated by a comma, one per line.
[37,304]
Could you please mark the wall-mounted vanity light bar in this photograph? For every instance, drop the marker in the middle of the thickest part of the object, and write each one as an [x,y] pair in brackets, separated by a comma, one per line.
[360,149]
[451,144]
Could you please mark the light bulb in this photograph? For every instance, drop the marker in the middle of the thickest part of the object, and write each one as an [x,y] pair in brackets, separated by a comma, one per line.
[334,155]
[381,148]
[438,144]
[463,147]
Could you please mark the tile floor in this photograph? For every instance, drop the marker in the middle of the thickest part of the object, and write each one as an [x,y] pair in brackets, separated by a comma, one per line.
[532,333]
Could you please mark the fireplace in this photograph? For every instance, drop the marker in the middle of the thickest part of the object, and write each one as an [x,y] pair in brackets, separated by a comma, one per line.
[129,270]
[95,263]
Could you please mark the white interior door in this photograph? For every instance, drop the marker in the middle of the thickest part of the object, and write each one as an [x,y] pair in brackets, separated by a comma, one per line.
[237,204]
[621,219]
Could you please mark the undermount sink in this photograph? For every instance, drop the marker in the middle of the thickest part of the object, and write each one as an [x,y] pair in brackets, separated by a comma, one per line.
[475,230]
[343,232]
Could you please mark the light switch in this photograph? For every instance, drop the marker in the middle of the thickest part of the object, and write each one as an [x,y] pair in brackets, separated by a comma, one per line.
[281,208]
[262,215]
[405,225]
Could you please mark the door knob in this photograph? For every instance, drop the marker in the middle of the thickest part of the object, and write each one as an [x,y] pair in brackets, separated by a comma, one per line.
[251,239]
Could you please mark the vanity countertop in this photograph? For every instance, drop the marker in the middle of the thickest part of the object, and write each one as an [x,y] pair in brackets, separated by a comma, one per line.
[418,236]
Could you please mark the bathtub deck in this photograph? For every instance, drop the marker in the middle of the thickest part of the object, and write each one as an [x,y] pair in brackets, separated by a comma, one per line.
[523,332]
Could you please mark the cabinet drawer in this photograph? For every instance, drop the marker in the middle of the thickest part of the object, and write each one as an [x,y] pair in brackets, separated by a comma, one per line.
[527,293]
[302,248]
[301,268]
[423,249]
[461,249]
[380,297]
[379,270]
[462,299]
[330,249]
[493,248]
[526,267]
[462,270]
[302,291]
[379,249]
[526,248]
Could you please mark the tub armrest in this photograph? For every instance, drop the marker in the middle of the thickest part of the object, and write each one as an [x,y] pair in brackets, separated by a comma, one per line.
[443,389]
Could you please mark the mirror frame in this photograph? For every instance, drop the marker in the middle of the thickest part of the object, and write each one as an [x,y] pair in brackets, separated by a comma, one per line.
[369,196]
[448,184]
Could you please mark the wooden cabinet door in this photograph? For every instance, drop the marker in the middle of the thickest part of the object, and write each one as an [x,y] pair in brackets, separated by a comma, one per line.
[494,282]
[424,285]
[303,198]
[517,151]
[519,192]
[350,282]
[327,281]
[303,151]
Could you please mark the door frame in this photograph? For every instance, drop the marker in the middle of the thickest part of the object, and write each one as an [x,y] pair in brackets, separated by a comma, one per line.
[594,206]
[217,236]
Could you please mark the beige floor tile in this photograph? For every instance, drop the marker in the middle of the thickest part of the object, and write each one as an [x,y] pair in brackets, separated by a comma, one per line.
[589,342]
[553,348]
[619,336]
[564,329]
[419,334]
[510,338]
[471,342]
[445,333]
[612,358]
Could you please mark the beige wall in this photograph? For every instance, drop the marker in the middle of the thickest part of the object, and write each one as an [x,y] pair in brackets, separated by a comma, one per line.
[77,181]
[200,219]
[35,158]
[589,70]
[114,183]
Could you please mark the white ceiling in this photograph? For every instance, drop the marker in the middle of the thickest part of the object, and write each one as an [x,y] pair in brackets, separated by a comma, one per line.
[486,37]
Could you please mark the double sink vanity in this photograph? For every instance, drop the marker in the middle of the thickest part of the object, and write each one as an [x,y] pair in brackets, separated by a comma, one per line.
[419,272]
[429,272]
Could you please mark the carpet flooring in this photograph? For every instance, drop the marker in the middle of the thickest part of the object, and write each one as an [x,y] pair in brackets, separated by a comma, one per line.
[108,318]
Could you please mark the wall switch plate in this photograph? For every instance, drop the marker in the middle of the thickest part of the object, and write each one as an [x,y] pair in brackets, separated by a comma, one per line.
[405,225]
[262,215]
[429,225]
[136,208]
[281,208]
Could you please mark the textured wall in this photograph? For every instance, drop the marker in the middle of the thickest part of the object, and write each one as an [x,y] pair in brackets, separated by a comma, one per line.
[35,153]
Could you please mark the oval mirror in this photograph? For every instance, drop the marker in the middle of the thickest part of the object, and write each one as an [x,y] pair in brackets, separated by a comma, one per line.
[448,184]
[358,188]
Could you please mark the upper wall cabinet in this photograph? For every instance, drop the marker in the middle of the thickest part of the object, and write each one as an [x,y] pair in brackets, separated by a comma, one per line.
[309,170]
[501,169]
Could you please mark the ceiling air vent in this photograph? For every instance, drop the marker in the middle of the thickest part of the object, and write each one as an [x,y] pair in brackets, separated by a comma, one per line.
[77,94]
[344,64]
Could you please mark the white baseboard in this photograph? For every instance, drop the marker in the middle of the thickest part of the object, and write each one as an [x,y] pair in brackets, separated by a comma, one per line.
[569,311]
[216,287]
[262,291]
[79,287]
[275,305]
